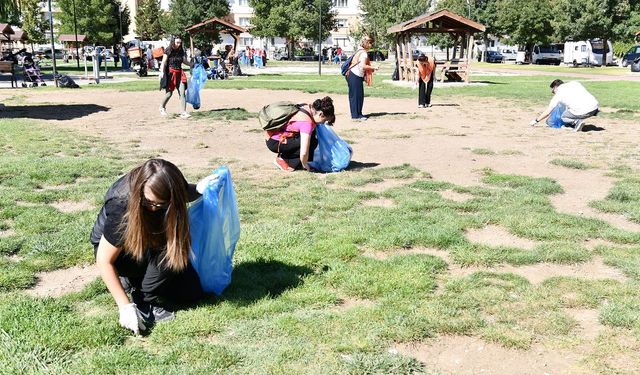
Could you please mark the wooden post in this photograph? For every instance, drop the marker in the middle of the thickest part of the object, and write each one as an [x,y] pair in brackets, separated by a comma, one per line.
[469,59]
[411,76]
[403,64]
[191,44]
[398,57]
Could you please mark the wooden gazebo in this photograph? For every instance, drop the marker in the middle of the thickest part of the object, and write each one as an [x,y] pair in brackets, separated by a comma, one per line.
[214,26]
[6,31]
[442,21]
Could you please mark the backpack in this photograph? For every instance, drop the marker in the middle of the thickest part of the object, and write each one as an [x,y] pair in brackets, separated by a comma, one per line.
[66,81]
[275,115]
[346,65]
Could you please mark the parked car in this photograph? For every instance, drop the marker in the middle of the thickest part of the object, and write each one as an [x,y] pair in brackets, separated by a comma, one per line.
[305,54]
[631,55]
[46,53]
[494,57]
[281,54]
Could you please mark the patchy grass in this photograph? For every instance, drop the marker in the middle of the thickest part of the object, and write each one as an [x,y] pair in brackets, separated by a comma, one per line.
[570,163]
[296,261]
[228,114]
[624,198]
[483,151]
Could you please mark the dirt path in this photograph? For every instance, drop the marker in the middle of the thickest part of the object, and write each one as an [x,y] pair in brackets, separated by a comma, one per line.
[626,76]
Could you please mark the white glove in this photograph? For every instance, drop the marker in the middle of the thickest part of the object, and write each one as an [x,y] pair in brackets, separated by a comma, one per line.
[202,184]
[160,75]
[533,122]
[415,85]
[130,318]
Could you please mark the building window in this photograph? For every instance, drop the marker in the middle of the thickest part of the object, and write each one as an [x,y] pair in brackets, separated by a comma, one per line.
[340,3]
[243,3]
[244,21]
[341,22]
[246,41]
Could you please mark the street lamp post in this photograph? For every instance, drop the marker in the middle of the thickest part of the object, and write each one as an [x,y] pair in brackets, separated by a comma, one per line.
[53,47]
[75,30]
[320,57]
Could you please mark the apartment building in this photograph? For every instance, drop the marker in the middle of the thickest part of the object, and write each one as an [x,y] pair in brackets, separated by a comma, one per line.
[348,16]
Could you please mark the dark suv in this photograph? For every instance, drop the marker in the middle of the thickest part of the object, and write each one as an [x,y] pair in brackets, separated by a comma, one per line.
[494,57]
[631,55]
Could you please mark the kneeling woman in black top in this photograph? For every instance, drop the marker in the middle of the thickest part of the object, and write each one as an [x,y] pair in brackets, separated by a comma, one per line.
[141,240]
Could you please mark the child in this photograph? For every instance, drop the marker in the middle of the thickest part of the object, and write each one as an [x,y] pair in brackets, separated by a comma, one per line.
[426,71]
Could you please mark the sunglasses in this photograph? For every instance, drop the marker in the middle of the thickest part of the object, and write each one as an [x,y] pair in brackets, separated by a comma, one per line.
[151,204]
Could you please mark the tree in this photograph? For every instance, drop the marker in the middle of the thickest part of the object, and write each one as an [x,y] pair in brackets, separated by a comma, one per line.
[588,19]
[148,17]
[184,13]
[10,12]
[99,20]
[33,23]
[379,15]
[291,19]
[527,22]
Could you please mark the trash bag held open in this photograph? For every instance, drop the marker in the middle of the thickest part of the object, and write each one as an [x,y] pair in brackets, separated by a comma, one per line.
[333,154]
[555,118]
[195,84]
[215,229]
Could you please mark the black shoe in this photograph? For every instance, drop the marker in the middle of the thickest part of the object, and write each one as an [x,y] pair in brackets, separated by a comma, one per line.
[153,314]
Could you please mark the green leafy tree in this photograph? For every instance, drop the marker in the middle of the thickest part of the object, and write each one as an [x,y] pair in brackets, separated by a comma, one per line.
[527,22]
[379,15]
[293,20]
[99,20]
[10,12]
[33,24]
[587,19]
[184,13]
[148,16]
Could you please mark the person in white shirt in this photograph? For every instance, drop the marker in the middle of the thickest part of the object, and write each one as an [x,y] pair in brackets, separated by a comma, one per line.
[572,100]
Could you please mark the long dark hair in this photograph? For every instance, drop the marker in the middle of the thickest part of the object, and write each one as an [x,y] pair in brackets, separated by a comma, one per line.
[168,184]
[172,43]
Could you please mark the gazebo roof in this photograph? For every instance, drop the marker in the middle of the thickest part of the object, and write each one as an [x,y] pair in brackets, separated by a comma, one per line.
[72,38]
[19,36]
[215,24]
[442,21]
[6,29]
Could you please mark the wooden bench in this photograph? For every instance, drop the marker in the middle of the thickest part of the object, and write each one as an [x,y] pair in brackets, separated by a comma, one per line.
[8,67]
[455,70]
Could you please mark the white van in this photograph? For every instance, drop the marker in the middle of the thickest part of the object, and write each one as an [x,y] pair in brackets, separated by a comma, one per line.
[546,55]
[587,53]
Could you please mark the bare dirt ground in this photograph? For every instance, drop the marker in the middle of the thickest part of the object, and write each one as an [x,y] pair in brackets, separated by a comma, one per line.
[438,140]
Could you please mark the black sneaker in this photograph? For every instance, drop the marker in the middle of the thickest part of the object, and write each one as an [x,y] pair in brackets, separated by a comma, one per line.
[153,314]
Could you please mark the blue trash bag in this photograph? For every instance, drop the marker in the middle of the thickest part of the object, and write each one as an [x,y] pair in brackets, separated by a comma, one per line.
[215,229]
[333,154]
[197,80]
[555,118]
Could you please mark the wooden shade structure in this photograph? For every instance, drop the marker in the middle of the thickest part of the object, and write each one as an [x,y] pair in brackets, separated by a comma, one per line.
[214,26]
[442,21]
[69,40]
[6,32]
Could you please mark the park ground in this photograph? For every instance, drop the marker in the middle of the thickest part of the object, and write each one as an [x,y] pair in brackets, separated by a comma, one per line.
[461,240]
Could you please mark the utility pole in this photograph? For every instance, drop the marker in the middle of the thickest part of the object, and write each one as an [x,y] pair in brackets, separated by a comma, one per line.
[320,57]
[75,30]
[53,47]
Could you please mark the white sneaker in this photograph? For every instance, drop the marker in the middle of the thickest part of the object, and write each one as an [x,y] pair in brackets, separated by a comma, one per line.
[185,115]
[163,112]
[579,125]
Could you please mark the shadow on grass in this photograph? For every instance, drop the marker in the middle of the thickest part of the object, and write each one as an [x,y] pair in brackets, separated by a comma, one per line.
[357,166]
[254,280]
[52,111]
[490,82]
[592,128]
[381,114]
[445,105]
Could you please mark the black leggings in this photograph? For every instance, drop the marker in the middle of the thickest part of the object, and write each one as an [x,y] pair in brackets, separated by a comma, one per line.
[290,151]
[424,93]
[155,281]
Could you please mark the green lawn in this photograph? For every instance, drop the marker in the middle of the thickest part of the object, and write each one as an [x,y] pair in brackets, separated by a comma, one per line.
[300,258]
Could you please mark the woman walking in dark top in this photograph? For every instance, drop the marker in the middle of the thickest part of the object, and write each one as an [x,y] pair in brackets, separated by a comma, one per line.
[173,77]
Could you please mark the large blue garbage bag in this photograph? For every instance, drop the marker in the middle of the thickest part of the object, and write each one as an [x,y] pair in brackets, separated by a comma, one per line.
[197,80]
[215,230]
[555,118]
[333,154]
